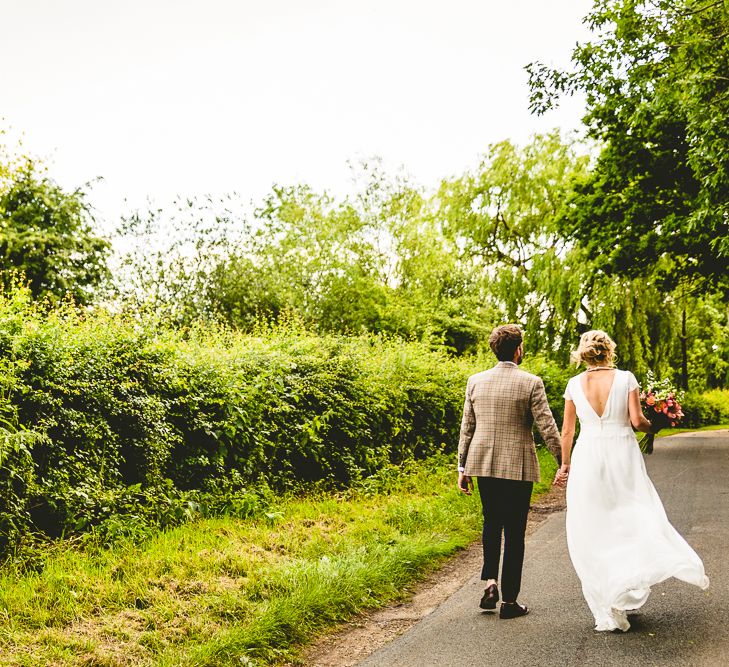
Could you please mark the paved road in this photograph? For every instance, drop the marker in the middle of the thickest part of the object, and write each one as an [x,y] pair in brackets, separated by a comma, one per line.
[679,625]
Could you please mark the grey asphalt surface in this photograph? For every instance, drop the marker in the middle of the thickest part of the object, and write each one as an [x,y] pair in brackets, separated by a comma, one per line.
[679,625]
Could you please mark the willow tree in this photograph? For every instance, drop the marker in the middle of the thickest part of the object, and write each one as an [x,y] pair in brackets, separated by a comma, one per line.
[502,217]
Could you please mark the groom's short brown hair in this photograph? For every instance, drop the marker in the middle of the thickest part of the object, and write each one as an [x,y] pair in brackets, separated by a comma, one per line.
[504,340]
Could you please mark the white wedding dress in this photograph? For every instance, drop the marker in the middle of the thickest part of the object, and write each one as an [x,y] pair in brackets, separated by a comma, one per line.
[619,538]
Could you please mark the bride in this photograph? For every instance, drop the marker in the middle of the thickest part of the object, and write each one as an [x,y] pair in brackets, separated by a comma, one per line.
[619,538]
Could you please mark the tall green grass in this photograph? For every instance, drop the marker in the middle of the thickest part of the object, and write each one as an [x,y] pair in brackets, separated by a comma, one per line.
[226,591]
[222,591]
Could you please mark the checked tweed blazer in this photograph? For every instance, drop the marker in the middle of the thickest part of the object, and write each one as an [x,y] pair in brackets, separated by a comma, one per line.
[501,406]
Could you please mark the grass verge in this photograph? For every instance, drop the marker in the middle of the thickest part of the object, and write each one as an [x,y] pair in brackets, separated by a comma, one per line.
[239,592]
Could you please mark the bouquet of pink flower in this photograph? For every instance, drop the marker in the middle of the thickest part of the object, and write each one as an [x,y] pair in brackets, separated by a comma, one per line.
[661,404]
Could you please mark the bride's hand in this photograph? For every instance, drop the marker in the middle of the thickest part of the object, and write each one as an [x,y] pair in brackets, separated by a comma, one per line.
[560,479]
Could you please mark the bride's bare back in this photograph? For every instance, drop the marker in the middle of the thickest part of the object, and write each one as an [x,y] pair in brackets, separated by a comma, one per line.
[596,386]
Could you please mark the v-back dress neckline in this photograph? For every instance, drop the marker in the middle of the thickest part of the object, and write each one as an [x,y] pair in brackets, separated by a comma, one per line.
[607,400]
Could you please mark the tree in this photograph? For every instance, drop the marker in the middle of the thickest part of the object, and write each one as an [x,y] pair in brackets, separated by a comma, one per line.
[168,257]
[373,261]
[46,235]
[656,81]
[484,248]
[502,218]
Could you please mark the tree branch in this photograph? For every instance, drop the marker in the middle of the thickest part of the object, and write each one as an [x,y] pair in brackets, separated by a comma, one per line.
[586,310]
[700,10]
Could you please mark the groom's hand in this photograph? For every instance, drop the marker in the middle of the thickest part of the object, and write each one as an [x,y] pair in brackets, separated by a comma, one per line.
[465,483]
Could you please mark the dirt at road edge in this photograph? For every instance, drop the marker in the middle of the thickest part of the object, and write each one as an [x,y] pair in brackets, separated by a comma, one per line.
[368,632]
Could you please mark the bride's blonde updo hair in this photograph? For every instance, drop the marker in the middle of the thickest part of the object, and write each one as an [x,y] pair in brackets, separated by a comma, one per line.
[596,348]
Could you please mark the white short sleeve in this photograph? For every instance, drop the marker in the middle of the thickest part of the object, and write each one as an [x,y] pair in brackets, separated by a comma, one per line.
[567,392]
[632,382]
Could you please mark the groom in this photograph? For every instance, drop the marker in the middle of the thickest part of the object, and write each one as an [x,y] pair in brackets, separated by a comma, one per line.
[497,448]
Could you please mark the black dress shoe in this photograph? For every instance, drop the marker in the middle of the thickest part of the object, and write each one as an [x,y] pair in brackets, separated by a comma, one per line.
[513,610]
[490,598]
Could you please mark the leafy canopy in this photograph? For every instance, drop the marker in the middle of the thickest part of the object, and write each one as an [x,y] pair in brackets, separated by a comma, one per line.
[656,80]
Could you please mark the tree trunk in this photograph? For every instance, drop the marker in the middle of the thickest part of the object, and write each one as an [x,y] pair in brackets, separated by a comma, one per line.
[684,351]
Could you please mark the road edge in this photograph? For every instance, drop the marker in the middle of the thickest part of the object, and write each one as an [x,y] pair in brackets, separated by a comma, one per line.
[350,643]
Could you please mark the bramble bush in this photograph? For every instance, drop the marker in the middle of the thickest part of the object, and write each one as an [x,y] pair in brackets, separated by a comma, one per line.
[110,425]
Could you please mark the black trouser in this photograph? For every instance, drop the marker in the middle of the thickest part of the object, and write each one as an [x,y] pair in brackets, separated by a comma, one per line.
[505,505]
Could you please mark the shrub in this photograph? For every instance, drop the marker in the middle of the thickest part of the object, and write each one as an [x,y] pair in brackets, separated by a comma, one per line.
[112,424]
[707,408]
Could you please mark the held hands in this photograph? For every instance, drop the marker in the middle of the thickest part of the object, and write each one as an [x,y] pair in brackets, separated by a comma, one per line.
[560,479]
[465,484]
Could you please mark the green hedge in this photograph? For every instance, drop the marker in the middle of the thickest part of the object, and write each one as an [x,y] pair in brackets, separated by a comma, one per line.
[107,421]
[707,408]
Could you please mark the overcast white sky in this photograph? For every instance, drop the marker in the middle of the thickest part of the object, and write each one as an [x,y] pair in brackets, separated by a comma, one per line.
[165,97]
